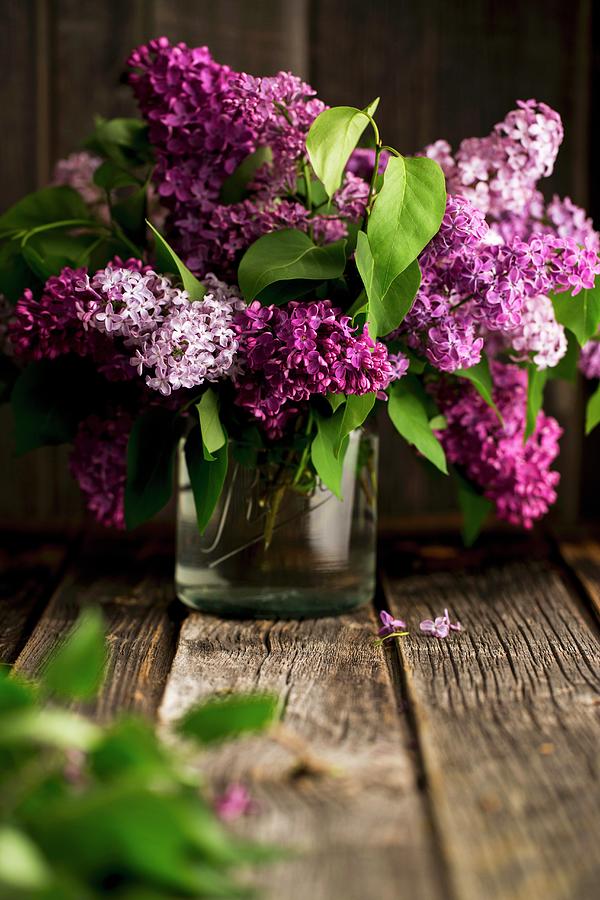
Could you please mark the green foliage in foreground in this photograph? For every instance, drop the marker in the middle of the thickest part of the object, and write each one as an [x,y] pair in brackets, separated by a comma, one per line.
[88,811]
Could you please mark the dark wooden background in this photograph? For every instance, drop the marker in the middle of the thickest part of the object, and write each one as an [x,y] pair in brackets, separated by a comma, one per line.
[443,69]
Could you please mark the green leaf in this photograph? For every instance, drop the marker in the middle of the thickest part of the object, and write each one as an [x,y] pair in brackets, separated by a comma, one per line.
[235,188]
[406,214]
[592,411]
[123,141]
[331,139]
[286,255]
[168,261]
[52,727]
[481,378]
[326,454]
[150,450]
[221,718]
[22,867]
[407,408]
[130,214]
[110,177]
[475,509]
[536,382]
[580,314]
[207,477]
[49,399]
[213,436]
[15,274]
[48,252]
[386,310]
[76,669]
[51,204]
[355,411]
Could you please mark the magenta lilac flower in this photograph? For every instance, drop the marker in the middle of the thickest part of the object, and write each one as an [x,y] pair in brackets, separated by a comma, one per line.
[389,625]
[205,119]
[98,462]
[513,473]
[289,354]
[234,803]
[440,627]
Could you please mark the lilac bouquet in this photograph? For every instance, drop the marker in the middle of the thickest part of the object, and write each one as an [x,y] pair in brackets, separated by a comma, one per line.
[256,273]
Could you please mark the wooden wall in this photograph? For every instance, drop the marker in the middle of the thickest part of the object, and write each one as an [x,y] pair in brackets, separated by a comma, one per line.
[444,68]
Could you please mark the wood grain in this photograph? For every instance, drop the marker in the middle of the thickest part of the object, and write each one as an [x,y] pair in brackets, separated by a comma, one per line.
[583,558]
[507,722]
[339,786]
[29,569]
[134,587]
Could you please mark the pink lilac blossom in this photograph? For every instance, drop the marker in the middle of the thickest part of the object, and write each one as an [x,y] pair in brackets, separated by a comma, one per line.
[50,327]
[440,627]
[389,625]
[289,354]
[399,363]
[362,160]
[99,465]
[195,342]
[589,360]
[514,474]
[204,120]
[234,803]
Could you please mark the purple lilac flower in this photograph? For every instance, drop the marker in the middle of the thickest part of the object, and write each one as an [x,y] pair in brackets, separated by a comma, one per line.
[204,120]
[49,327]
[399,363]
[441,626]
[362,160]
[514,474]
[234,803]
[195,342]
[589,360]
[389,625]
[99,465]
[288,354]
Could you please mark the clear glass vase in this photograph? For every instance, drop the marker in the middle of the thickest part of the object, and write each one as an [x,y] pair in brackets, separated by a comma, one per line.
[320,560]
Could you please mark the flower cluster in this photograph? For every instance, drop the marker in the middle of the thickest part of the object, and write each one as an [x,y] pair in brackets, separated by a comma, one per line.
[512,472]
[175,342]
[77,171]
[287,355]
[205,119]
[49,327]
[98,464]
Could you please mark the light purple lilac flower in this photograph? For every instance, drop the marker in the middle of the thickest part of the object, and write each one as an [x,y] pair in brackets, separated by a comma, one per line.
[77,171]
[539,337]
[440,627]
[288,354]
[513,473]
[389,625]
[195,342]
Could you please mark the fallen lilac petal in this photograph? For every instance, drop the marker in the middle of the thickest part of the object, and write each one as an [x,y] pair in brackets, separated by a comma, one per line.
[389,624]
[234,803]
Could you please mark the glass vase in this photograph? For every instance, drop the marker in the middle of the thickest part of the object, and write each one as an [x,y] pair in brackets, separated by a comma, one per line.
[318,561]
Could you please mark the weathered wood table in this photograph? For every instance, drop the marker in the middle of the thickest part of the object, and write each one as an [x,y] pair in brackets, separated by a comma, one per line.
[464,768]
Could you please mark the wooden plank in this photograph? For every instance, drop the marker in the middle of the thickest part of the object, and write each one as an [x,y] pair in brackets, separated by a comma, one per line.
[583,557]
[506,719]
[133,584]
[262,37]
[29,569]
[339,785]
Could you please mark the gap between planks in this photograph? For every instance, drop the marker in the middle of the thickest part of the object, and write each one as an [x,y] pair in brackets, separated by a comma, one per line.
[339,787]
[507,721]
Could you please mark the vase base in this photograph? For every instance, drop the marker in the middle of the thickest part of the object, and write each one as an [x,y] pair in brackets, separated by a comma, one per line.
[275,605]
